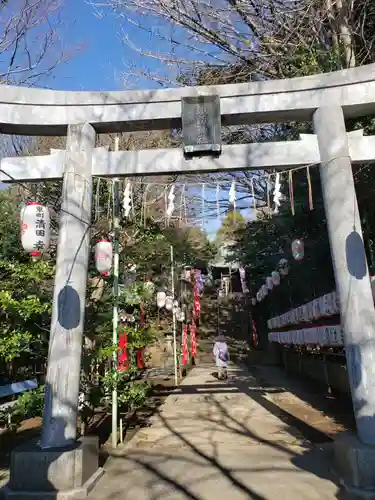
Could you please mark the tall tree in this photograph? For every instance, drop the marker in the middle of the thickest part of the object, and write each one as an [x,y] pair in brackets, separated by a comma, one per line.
[253,37]
[231,227]
[31,46]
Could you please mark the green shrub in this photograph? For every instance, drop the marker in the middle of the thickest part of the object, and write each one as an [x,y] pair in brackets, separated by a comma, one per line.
[134,394]
[29,405]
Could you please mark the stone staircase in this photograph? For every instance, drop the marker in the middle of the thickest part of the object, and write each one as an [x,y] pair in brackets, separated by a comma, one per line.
[229,316]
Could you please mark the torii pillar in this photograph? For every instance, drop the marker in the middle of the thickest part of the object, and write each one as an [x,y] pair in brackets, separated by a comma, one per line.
[354,455]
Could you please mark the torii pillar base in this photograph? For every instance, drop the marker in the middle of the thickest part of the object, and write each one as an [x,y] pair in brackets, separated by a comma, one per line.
[59,474]
[355,465]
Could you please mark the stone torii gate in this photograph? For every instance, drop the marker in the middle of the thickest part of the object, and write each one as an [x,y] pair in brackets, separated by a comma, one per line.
[61,463]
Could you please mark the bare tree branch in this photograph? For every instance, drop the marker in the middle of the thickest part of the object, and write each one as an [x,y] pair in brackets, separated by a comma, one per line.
[30,40]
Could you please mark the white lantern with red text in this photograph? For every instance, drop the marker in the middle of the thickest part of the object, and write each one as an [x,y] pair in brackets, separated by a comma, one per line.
[103,257]
[35,228]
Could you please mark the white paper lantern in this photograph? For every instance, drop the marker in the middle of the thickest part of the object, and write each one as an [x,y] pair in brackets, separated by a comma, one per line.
[298,249]
[275,278]
[103,257]
[180,315]
[175,306]
[35,228]
[283,267]
[160,299]
[269,283]
[315,309]
[169,303]
[253,301]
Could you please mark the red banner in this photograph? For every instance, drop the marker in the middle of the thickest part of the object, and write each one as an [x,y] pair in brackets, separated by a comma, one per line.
[140,362]
[185,353]
[193,340]
[197,306]
[255,336]
[197,298]
[122,354]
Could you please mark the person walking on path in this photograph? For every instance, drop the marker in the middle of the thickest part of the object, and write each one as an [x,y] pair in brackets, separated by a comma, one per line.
[221,354]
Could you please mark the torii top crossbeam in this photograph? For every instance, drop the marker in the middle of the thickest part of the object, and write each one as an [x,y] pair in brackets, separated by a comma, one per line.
[49,112]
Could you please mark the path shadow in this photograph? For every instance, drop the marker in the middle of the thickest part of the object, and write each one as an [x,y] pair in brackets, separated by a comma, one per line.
[335,405]
[167,464]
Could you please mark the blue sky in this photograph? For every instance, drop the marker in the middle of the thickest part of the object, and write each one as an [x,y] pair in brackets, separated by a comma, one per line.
[104,58]
[100,65]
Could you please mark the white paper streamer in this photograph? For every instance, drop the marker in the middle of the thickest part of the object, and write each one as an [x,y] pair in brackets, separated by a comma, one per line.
[171,198]
[277,195]
[127,200]
[232,195]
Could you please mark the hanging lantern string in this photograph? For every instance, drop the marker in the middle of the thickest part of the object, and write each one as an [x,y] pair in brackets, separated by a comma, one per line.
[185,208]
[144,205]
[213,184]
[253,195]
[132,202]
[268,181]
[110,198]
[55,201]
[97,200]
[311,202]
[291,192]
[218,201]
[181,206]
[203,206]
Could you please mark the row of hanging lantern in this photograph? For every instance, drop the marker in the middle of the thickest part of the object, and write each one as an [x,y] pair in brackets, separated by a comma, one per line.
[170,304]
[271,281]
[298,252]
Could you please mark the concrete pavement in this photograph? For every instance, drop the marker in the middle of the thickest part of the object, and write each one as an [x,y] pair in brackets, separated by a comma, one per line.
[214,440]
